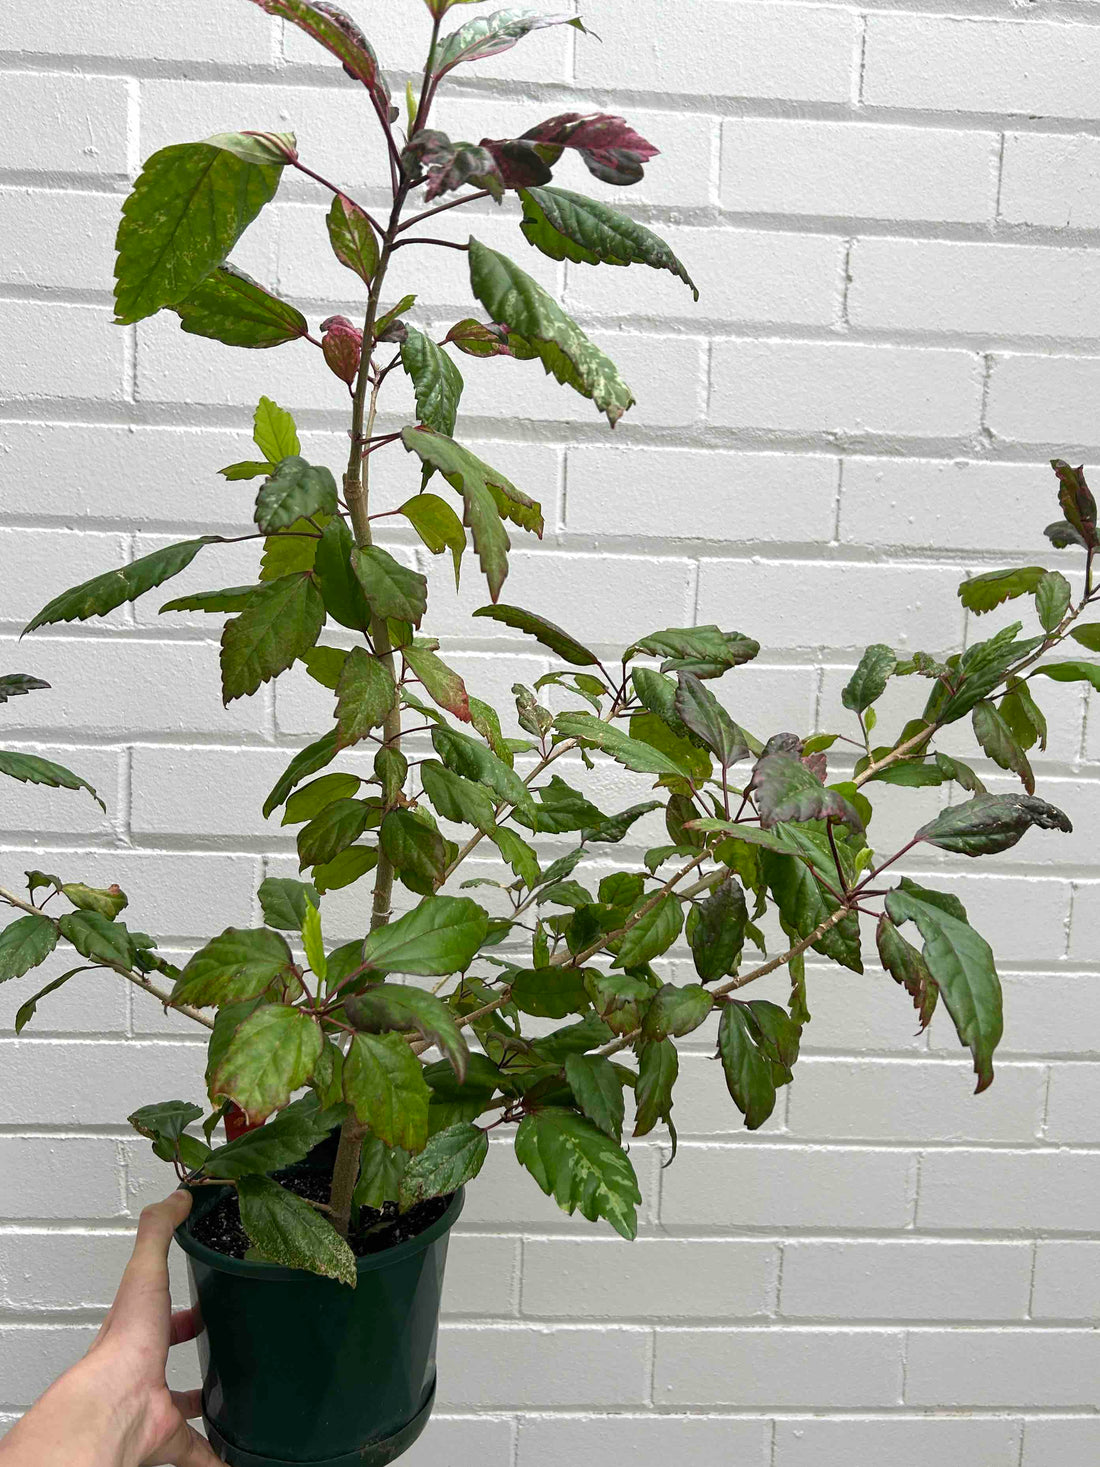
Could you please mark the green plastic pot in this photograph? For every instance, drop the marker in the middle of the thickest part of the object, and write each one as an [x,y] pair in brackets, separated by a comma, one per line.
[298,1369]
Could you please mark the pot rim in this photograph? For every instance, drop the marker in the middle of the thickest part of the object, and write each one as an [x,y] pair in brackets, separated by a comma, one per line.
[277,1273]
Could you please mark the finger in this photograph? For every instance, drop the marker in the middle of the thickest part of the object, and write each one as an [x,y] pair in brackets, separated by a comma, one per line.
[148,1266]
[186,1324]
[185,1448]
[187,1403]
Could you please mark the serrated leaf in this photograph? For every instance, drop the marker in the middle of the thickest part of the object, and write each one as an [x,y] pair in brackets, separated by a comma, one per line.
[675,1011]
[962,965]
[98,938]
[868,683]
[995,737]
[17,684]
[983,593]
[451,1158]
[559,642]
[381,1168]
[513,298]
[438,526]
[437,382]
[439,936]
[189,206]
[24,944]
[989,824]
[274,432]
[706,651]
[277,626]
[716,931]
[416,850]
[239,964]
[165,1120]
[1071,672]
[294,491]
[391,589]
[332,28]
[286,1230]
[581,1168]
[1075,497]
[230,598]
[658,1067]
[474,761]
[906,966]
[108,901]
[630,752]
[549,993]
[247,469]
[442,684]
[31,769]
[399,1006]
[270,1055]
[457,799]
[353,241]
[749,1071]
[283,902]
[306,762]
[598,1090]
[1088,636]
[312,798]
[616,827]
[803,904]
[489,35]
[385,1086]
[786,790]
[700,711]
[289,551]
[103,593]
[230,307]
[652,934]
[365,696]
[332,830]
[1052,597]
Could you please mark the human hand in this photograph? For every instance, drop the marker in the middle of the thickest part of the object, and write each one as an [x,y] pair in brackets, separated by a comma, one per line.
[114,1407]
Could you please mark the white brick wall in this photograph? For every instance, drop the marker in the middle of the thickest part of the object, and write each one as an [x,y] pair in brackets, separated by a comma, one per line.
[893,210]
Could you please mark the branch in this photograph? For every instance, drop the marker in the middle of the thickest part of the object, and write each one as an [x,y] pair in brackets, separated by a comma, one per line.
[139,980]
[483,193]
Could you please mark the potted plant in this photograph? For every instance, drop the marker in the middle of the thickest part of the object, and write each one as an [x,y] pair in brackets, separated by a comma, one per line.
[537,1007]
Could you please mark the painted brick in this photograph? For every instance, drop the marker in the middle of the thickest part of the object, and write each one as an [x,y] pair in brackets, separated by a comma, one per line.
[482,1275]
[49,558]
[130,31]
[61,1270]
[643,1439]
[39,809]
[32,1356]
[1010,1191]
[987,289]
[34,220]
[1073,1441]
[580,1278]
[91,366]
[65,123]
[906,1441]
[905,1280]
[1067,1280]
[751,1185]
[449,1441]
[827,387]
[45,1174]
[105,1080]
[1007,1368]
[1051,179]
[871,171]
[1071,1111]
[962,64]
[494,1366]
[774,1367]
[738,50]
[1042,399]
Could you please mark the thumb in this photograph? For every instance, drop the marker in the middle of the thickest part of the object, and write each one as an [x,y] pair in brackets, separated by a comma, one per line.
[186,1448]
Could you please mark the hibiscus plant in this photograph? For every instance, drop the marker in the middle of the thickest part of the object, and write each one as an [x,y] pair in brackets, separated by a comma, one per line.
[534,1004]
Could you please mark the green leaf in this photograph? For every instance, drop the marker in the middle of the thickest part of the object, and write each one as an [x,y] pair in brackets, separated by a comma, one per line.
[658,1067]
[231,598]
[749,1071]
[189,206]
[332,830]
[230,307]
[451,1158]
[438,526]
[398,1006]
[295,490]
[247,469]
[786,790]
[274,432]
[98,938]
[325,664]
[439,936]
[961,963]
[693,762]
[284,902]
[312,798]
[1052,597]
[271,1055]
[103,593]
[518,854]
[979,670]
[16,684]
[24,944]
[989,824]
[26,1011]
[558,641]
[457,799]
[700,711]
[676,1011]
[1071,672]
[288,1138]
[365,695]
[717,931]
[906,966]
[1088,637]
[334,29]
[598,1090]
[581,1168]
[385,1086]
[488,498]
[341,591]
[345,868]
[288,551]
[568,226]
[381,1168]
[868,683]
[391,589]
[166,1120]
[616,827]
[511,297]
[281,623]
[241,963]
[982,593]
[995,737]
[313,942]
[442,683]
[549,993]
[353,241]
[488,35]
[286,1230]
[632,753]
[474,761]
[416,849]
[706,651]
[108,901]
[306,762]
[652,934]
[802,903]
[436,380]
[30,769]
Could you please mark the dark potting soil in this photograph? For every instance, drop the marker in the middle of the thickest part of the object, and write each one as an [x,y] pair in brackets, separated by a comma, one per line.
[220,1228]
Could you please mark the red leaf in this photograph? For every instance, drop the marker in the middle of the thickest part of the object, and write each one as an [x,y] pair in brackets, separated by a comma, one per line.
[609,146]
[342,345]
[338,33]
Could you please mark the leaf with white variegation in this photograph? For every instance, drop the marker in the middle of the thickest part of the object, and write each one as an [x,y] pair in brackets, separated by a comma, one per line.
[286,1230]
[230,307]
[580,1167]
